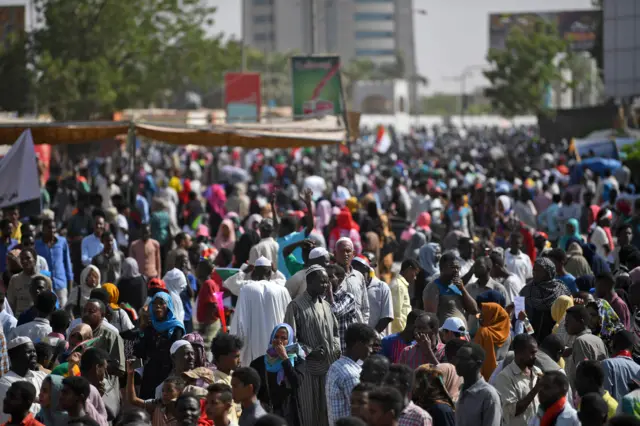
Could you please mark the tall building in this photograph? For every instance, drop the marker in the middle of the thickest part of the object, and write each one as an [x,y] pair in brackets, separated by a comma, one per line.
[372,29]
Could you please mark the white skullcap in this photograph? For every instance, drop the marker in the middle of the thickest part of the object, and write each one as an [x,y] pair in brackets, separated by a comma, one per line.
[262,261]
[177,345]
[313,268]
[18,341]
[318,252]
[344,240]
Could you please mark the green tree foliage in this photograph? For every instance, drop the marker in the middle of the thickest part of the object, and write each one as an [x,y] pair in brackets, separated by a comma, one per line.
[521,73]
[95,56]
[15,76]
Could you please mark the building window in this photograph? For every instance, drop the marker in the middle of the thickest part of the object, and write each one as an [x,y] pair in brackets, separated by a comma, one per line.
[262,19]
[375,52]
[373,34]
[263,2]
[362,16]
[263,36]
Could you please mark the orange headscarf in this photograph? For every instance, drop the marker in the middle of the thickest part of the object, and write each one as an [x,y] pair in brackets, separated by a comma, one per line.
[493,332]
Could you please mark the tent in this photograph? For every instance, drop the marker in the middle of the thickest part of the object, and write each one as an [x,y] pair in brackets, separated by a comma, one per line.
[305,133]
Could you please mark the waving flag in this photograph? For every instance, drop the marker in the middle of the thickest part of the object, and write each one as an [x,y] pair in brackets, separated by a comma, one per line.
[383,140]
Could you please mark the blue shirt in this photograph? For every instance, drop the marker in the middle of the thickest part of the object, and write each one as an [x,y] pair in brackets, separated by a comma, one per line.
[186,301]
[342,377]
[59,261]
[91,247]
[287,240]
[570,281]
[4,249]
[143,208]
[618,373]
[393,345]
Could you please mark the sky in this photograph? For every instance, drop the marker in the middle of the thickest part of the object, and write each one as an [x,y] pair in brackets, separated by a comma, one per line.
[453,35]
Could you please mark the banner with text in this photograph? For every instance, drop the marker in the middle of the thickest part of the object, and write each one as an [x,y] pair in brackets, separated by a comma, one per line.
[577,27]
[242,97]
[317,89]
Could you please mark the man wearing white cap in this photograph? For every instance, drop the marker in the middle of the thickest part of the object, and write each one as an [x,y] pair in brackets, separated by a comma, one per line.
[24,367]
[183,357]
[453,328]
[261,306]
[297,284]
[354,281]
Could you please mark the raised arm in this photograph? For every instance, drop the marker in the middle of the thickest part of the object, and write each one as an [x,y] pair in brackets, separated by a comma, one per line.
[309,218]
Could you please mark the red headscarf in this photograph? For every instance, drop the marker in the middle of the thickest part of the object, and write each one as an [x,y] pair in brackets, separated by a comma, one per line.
[344,223]
[186,189]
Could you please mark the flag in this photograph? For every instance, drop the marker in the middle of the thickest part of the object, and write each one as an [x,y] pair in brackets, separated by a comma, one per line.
[221,313]
[19,181]
[383,140]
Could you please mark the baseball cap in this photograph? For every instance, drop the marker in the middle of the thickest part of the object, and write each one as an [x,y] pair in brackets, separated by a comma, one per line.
[454,324]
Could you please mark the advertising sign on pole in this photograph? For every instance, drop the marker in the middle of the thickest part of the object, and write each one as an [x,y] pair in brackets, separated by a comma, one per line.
[242,97]
[317,89]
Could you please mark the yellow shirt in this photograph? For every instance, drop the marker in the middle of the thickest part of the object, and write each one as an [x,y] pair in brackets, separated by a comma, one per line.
[17,232]
[611,403]
[401,303]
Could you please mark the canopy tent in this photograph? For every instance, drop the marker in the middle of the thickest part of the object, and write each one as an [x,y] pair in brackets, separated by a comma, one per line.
[306,133]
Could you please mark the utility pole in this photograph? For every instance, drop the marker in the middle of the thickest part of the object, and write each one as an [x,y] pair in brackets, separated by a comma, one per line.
[312,26]
[244,36]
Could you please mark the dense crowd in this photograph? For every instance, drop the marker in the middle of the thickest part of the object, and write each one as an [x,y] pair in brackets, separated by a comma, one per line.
[462,279]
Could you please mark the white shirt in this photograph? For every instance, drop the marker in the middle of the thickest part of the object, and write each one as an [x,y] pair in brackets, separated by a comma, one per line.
[123,225]
[34,377]
[268,248]
[235,282]
[600,240]
[261,306]
[380,304]
[36,330]
[519,265]
[512,285]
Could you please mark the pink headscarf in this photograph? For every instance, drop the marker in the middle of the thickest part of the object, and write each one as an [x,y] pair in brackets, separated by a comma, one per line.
[222,242]
[424,221]
[217,197]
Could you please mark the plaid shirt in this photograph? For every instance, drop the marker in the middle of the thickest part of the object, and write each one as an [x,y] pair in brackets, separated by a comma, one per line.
[412,415]
[342,377]
[346,312]
[4,357]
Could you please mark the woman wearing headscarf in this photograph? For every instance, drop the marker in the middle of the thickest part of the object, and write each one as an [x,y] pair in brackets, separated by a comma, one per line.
[558,311]
[345,227]
[430,394]
[428,258]
[50,414]
[323,214]
[281,370]
[576,264]
[597,263]
[604,322]
[119,318]
[505,220]
[176,283]
[600,233]
[89,279]
[157,339]
[216,200]
[226,236]
[451,380]
[243,247]
[417,241]
[132,285]
[571,234]
[197,342]
[494,335]
[539,294]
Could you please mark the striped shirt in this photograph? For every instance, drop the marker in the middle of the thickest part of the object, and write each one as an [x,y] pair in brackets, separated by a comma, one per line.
[315,327]
[392,347]
[343,376]
[412,415]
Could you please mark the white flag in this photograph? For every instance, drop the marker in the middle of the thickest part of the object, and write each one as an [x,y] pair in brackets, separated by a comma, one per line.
[19,181]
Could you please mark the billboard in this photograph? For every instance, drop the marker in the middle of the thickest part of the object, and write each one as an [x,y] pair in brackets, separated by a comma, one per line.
[578,27]
[317,89]
[242,97]
[12,19]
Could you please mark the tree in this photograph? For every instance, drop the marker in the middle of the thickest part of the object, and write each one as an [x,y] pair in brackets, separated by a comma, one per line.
[15,77]
[359,69]
[598,46]
[95,56]
[521,74]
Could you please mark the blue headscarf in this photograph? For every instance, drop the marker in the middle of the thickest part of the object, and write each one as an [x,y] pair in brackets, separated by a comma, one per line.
[273,362]
[428,259]
[53,416]
[170,322]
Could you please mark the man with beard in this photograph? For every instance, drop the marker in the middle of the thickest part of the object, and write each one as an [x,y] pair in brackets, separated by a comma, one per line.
[93,315]
[187,410]
[519,383]
[24,367]
[316,330]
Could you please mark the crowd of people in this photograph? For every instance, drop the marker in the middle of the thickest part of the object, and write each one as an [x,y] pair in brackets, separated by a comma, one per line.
[462,281]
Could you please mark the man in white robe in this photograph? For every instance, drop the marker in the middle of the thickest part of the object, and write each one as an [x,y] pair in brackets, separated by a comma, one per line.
[261,306]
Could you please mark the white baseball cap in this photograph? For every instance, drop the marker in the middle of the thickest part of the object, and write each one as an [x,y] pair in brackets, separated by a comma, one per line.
[454,324]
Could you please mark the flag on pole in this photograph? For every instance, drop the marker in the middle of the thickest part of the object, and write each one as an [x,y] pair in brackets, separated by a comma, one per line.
[383,140]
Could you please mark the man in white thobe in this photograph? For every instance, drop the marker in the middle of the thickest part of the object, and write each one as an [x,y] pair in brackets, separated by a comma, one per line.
[261,306]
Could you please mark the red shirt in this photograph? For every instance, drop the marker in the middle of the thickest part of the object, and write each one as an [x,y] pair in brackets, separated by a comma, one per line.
[27,421]
[207,298]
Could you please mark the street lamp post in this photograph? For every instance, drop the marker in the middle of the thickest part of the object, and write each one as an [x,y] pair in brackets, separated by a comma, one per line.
[462,78]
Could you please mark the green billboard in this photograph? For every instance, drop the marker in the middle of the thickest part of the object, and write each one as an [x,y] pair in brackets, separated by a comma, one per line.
[317,89]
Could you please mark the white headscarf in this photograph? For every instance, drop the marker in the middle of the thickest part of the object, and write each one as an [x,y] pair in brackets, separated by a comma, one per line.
[506,203]
[83,288]
[176,283]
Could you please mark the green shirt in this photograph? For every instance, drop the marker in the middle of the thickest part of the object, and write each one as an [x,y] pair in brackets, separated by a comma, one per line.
[293,265]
